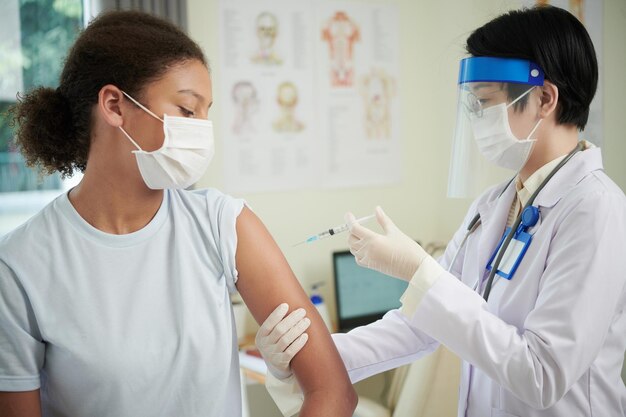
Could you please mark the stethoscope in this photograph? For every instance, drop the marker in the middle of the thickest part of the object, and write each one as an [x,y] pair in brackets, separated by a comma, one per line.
[527,218]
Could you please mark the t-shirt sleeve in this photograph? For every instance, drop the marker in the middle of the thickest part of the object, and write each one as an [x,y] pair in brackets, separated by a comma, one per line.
[21,347]
[227,209]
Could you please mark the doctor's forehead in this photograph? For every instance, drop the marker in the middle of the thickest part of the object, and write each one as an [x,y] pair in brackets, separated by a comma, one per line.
[484,87]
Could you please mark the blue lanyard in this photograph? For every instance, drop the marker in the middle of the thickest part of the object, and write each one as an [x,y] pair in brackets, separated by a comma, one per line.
[530,216]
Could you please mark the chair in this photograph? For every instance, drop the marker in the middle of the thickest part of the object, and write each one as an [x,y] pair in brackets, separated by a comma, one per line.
[426,388]
[370,408]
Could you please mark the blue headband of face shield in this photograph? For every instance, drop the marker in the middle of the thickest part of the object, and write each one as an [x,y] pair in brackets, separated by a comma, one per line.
[507,70]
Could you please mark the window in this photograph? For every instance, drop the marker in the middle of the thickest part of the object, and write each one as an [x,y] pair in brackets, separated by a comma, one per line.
[35,36]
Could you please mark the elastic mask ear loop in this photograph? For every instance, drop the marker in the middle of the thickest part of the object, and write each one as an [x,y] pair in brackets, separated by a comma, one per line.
[518,99]
[144,108]
[130,139]
[511,103]
[533,131]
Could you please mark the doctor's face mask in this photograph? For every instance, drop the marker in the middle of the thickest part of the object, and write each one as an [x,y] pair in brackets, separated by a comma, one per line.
[187,150]
[493,136]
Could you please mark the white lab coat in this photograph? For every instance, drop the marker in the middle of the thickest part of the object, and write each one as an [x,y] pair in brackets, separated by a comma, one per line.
[551,341]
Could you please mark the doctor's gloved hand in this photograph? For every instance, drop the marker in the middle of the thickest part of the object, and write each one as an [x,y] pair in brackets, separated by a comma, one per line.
[280,338]
[392,253]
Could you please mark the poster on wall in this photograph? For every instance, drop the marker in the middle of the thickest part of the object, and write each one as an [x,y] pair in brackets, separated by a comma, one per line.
[589,12]
[267,61]
[310,94]
[358,70]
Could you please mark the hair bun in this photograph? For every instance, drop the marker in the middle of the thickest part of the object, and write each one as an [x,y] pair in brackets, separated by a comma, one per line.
[43,130]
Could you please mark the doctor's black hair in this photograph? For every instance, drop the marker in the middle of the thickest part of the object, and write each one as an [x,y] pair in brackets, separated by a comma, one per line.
[128,49]
[554,39]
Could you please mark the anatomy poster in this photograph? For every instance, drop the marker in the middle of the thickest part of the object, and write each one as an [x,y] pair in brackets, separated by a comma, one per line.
[310,97]
[358,70]
[267,61]
[589,12]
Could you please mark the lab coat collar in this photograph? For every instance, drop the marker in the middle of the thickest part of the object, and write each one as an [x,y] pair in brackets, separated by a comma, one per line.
[496,203]
[493,214]
[577,168]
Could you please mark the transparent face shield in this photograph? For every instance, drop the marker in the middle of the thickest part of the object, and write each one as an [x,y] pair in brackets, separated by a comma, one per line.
[484,150]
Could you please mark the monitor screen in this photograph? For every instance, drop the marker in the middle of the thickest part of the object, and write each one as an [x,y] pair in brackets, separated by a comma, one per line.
[363,295]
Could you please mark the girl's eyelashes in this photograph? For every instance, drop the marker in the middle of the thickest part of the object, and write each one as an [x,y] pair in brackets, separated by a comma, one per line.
[186,112]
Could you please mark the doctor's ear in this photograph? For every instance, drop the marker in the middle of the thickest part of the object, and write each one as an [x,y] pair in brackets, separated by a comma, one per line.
[549,99]
[110,106]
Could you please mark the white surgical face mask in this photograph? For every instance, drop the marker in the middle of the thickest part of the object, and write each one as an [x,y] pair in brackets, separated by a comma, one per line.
[495,140]
[187,151]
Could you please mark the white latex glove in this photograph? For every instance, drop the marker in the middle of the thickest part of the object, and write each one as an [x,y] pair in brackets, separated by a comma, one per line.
[392,253]
[280,338]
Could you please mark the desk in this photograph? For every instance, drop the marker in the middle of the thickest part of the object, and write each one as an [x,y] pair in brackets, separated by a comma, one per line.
[256,401]
[252,366]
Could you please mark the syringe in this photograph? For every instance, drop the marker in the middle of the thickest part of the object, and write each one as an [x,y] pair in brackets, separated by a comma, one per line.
[334,230]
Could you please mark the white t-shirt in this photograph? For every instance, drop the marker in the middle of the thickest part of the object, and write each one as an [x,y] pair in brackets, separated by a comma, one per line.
[124,325]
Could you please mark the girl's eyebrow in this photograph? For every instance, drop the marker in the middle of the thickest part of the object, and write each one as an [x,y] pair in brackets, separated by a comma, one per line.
[195,94]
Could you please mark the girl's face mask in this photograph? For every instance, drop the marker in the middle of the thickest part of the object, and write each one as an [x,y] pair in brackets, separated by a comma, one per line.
[187,151]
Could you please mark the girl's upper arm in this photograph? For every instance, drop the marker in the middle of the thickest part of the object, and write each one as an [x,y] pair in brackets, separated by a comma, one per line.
[20,404]
[265,281]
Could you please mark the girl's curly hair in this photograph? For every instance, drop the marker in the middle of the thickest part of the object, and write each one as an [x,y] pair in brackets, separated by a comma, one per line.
[125,48]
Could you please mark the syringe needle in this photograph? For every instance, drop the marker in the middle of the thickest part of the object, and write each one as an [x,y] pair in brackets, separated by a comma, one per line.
[335,230]
[309,240]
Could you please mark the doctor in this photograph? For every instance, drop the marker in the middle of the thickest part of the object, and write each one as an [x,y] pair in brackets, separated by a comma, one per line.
[540,324]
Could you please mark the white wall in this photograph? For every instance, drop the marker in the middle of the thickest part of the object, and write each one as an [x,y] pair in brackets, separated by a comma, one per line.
[432,36]
[614,90]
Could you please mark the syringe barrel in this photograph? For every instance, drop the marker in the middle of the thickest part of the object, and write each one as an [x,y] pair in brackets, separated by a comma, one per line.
[340,229]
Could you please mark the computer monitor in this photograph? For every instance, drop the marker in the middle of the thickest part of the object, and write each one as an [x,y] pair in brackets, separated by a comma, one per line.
[362,295]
